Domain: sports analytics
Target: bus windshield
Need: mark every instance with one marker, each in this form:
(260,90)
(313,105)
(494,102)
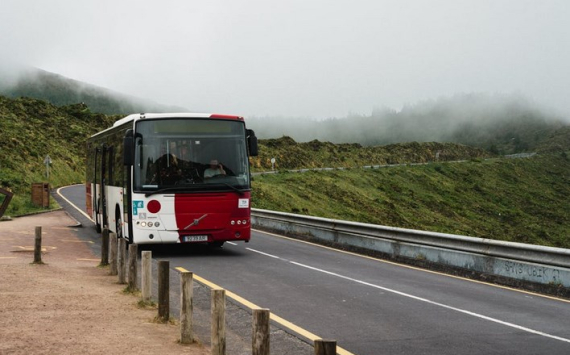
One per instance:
(190,155)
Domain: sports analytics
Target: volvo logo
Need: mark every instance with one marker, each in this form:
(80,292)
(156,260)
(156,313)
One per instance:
(196,222)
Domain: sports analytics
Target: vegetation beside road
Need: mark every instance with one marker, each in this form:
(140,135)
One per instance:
(33,129)
(524,200)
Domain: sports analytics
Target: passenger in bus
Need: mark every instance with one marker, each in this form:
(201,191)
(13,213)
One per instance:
(215,169)
(168,171)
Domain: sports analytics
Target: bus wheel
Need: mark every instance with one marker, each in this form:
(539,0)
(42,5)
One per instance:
(217,244)
(118,225)
(97,224)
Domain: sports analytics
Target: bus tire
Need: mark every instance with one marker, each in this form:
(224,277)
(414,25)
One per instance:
(118,224)
(97,214)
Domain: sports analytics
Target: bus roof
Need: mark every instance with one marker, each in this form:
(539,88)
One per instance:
(143,116)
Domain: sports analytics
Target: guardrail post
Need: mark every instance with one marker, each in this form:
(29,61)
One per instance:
(132,274)
(218,341)
(325,347)
(122,261)
(38,246)
(186,307)
(113,248)
(163,290)
(146,277)
(105,248)
(260,332)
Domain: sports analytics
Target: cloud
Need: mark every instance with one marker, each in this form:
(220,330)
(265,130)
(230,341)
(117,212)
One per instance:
(297,58)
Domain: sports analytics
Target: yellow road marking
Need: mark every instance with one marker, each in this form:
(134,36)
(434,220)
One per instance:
(272,316)
(32,248)
(237,298)
(419,269)
(82,259)
(8,257)
(77,241)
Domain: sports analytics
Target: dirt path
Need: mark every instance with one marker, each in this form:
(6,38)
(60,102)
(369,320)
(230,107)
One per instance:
(69,305)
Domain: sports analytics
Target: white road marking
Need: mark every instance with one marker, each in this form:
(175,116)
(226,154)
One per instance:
(231,243)
(262,253)
(71,203)
(473,314)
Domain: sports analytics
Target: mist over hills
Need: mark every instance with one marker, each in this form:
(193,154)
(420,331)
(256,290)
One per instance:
(60,91)
(502,124)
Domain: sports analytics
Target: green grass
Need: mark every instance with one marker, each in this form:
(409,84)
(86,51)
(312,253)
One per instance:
(31,129)
(521,200)
(524,200)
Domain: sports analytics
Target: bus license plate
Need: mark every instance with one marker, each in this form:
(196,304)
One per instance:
(195,238)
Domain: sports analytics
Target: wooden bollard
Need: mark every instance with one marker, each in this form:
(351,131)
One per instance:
(260,332)
(113,254)
(186,307)
(146,277)
(105,248)
(163,290)
(122,261)
(38,246)
(132,274)
(325,347)
(218,341)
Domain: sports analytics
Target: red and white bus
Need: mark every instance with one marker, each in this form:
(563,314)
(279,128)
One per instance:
(172,178)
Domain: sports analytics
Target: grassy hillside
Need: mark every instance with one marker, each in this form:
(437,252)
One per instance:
(525,200)
(60,91)
(31,129)
(289,154)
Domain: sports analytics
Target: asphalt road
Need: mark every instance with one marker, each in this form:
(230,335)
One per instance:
(375,307)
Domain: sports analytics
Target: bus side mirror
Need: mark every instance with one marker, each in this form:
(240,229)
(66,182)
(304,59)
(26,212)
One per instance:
(128,148)
(252,143)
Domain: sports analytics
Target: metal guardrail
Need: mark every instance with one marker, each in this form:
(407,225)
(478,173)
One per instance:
(366,236)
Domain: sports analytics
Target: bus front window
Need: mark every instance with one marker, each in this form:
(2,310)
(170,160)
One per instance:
(182,158)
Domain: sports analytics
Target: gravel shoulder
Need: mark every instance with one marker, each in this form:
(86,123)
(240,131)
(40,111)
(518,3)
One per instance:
(69,305)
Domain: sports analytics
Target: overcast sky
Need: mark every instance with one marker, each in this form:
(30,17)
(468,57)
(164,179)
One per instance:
(303,58)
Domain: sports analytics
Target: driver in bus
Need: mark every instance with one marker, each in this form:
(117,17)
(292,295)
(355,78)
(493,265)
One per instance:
(215,169)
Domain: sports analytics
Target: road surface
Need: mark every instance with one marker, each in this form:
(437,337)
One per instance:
(372,306)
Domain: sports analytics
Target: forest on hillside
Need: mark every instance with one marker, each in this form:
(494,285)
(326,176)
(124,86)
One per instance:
(501,124)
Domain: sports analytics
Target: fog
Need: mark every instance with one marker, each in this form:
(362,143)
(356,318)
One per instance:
(501,123)
(306,59)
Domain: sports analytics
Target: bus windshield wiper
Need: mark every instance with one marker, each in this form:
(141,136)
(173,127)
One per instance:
(201,187)
(240,191)
(166,189)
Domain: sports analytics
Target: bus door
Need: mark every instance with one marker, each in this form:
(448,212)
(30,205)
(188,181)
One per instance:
(104,152)
(96,198)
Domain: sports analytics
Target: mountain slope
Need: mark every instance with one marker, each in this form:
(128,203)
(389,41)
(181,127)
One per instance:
(32,129)
(60,91)
(523,200)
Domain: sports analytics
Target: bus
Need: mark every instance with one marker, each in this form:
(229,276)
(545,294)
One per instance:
(172,178)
